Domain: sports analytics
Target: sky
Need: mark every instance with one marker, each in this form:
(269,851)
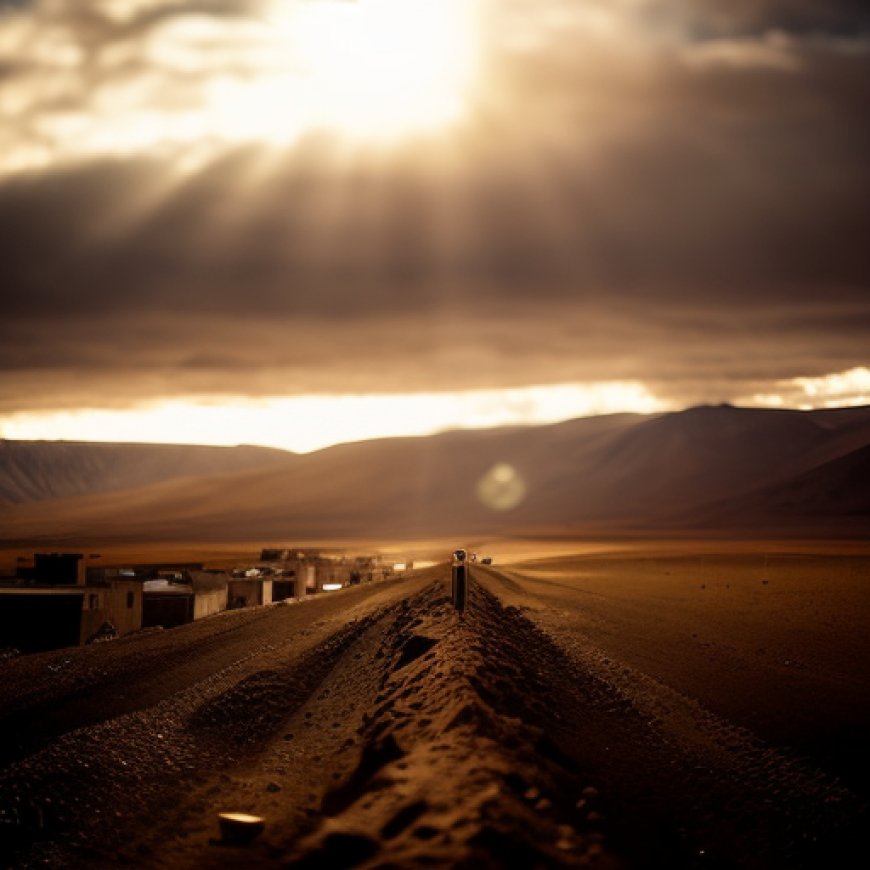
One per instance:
(299,222)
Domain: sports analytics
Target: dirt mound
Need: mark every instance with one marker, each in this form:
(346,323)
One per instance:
(451,765)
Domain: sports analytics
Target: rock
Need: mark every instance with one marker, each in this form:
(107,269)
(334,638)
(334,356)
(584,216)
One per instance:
(240,828)
(106,631)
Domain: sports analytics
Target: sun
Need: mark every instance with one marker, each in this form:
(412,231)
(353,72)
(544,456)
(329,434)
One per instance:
(373,69)
(386,65)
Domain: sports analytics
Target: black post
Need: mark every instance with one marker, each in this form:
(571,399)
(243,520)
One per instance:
(460,587)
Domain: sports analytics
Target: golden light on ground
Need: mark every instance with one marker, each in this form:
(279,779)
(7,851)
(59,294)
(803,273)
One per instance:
(305,423)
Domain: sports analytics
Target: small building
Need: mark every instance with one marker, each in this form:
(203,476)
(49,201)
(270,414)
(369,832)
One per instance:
(298,577)
(169,603)
(166,604)
(59,569)
(34,619)
(291,582)
(249,592)
(210,592)
(291,571)
(331,574)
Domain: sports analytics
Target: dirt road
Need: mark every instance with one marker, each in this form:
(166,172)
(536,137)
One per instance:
(375,727)
(778,644)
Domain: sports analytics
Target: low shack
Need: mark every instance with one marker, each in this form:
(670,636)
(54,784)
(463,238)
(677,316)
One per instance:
(166,604)
(38,618)
(249,592)
(210,592)
(170,603)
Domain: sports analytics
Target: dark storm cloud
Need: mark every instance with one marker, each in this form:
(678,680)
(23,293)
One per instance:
(746,17)
(671,192)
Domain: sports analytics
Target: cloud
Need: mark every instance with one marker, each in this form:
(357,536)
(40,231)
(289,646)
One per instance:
(709,18)
(659,190)
(836,390)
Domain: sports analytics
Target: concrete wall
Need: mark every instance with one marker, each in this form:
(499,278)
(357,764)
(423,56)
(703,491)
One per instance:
(95,611)
(307,576)
(125,606)
(120,604)
(208,603)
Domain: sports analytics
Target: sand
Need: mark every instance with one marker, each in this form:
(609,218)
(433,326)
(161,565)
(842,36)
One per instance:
(607,708)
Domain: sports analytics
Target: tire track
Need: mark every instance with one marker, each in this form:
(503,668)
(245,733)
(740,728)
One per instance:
(129,770)
(693,788)
(47,695)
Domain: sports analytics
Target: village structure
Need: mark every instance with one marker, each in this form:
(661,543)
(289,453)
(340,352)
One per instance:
(67,599)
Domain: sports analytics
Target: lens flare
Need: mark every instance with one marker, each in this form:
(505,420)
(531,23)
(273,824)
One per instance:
(501,488)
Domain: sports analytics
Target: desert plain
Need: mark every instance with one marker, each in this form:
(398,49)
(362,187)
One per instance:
(633,703)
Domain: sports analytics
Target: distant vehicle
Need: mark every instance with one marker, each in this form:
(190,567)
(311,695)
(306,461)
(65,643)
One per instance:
(486,560)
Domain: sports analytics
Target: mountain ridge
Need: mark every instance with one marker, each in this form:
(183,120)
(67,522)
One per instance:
(41,470)
(710,467)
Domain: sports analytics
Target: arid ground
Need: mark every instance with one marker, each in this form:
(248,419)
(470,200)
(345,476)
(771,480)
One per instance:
(605,706)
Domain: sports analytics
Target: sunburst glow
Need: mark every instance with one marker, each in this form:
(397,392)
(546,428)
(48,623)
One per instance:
(371,68)
(193,83)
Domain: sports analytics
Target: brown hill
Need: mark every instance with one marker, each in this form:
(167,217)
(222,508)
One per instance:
(40,470)
(834,493)
(711,467)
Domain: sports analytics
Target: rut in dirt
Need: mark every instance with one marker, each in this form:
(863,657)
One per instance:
(718,797)
(135,770)
(121,679)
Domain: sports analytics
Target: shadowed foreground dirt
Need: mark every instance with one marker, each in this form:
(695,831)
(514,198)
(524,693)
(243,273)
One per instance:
(377,728)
